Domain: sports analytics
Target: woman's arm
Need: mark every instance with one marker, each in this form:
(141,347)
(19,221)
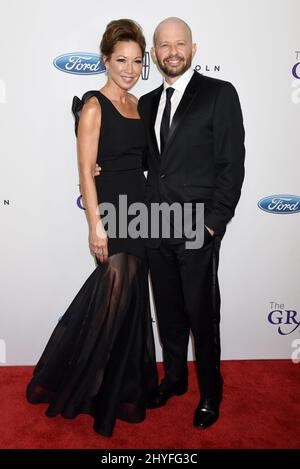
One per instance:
(87,141)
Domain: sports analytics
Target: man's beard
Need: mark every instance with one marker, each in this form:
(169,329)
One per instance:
(171,71)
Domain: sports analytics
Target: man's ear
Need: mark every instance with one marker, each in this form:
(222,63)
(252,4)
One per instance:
(194,49)
(153,54)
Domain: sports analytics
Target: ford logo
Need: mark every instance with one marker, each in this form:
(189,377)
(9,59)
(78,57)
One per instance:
(79,63)
(280,204)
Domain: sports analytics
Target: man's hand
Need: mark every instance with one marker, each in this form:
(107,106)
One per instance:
(97,170)
(211,232)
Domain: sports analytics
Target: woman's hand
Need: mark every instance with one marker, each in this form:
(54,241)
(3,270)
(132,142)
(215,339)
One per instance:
(97,170)
(98,242)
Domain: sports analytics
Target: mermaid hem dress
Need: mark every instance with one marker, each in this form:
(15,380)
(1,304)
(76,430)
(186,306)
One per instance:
(100,358)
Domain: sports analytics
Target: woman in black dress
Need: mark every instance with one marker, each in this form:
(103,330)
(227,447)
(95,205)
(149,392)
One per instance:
(100,358)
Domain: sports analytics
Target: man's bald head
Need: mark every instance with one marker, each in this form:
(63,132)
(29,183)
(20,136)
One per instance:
(171,23)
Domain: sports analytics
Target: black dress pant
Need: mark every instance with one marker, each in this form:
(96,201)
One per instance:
(186,294)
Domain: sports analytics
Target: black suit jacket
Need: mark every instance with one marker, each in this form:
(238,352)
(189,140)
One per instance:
(203,160)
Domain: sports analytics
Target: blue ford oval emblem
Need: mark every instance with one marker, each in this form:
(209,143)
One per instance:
(280,204)
(79,63)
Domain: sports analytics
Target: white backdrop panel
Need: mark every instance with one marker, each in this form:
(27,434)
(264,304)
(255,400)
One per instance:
(44,249)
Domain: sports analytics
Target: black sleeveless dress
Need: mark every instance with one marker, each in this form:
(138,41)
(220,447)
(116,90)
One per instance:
(100,358)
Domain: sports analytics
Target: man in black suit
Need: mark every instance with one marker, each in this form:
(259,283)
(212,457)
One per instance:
(196,153)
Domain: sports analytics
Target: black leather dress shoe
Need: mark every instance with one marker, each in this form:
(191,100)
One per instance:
(206,413)
(164,393)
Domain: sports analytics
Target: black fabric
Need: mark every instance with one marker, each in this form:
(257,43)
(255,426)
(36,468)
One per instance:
(122,144)
(100,358)
(165,121)
(187,297)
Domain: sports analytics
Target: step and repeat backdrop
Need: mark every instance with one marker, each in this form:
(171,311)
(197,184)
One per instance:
(49,53)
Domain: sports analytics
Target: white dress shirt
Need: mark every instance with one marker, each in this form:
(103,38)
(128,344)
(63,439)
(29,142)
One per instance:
(179,86)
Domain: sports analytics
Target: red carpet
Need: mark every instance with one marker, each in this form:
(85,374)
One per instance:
(260,409)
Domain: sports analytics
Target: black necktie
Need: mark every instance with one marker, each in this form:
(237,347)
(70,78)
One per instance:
(165,121)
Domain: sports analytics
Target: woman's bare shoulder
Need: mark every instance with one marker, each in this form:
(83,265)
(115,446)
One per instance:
(92,105)
(90,117)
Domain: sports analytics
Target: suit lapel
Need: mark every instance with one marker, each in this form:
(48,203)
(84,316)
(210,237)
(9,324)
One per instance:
(186,100)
